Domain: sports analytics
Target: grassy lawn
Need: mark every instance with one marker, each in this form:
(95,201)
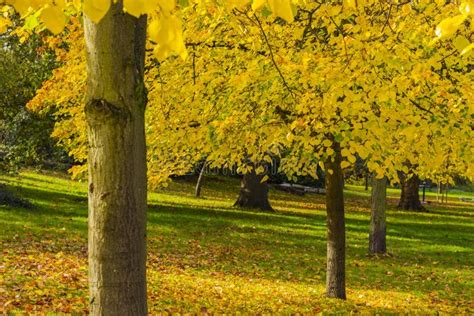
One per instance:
(206,256)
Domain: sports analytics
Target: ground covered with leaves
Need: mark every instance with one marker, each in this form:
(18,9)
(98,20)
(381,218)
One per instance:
(206,256)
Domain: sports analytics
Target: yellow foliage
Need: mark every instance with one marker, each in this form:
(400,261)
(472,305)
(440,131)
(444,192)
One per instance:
(250,92)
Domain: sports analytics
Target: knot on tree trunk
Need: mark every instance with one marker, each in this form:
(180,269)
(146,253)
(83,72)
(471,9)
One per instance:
(98,111)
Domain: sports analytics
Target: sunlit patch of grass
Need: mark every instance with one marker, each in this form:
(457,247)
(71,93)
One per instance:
(206,256)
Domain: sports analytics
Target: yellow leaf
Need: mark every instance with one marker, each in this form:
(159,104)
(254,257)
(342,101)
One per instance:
(466,8)
(282,8)
(96,9)
(134,7)
(154,30)
(351,158)
(54,19)
(257,4)
(327,143)
(23,7)
(449,26)
(350,4)
(167,33)
(345,164)
(4,23)
(460,43)
(167,5)
(467,49)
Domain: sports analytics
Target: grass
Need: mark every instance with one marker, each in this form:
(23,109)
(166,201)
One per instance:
(206,256)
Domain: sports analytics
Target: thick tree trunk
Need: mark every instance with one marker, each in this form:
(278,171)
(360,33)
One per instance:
(116,100)
(336,235)
(200,180)
(410,197)
(377,235)
(253,193)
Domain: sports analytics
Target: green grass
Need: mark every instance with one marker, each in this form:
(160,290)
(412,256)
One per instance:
(205,255)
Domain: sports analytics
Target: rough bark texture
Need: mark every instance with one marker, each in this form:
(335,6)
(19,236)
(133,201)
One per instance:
(378,228)
(336,235)
(253,193)
(116,100)
(200,180)
(410,197)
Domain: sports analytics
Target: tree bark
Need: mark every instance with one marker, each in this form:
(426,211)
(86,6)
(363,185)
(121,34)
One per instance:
(410,197)
(366,180)
(115,108)
(197,191)
(377,235)
(336,235)
(253,193)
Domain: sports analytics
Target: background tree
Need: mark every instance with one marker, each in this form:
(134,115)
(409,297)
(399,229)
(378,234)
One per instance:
(254,191)
(378,226)
(410,196)
(24,135)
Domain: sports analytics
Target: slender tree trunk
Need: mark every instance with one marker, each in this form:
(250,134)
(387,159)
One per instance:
(446,188)
(253,192)
(438,191)
(366,180)
(200,180)
(336,235)
(116,100)
(377,235)
(410,196)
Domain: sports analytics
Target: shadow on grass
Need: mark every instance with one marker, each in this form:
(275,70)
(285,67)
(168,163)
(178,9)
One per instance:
(286,245)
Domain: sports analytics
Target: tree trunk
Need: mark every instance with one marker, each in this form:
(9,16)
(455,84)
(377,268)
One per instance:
(377,235)
(366,180)
(253,193)
(438,191)
(410,197)
(115,108)
(336,235)
(197,191)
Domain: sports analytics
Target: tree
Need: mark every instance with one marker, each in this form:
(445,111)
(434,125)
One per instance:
(24,135)
(200,180)
(115,114)
(254,192)
(378,226)
(336,227)
(410,196)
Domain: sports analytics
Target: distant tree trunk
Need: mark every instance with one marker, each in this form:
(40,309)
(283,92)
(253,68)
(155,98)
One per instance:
(336,235)
(115,112)
(366,180)
(253,193)
(438,191)
(410,197)
(197,191)
(377,235)
(446,188)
